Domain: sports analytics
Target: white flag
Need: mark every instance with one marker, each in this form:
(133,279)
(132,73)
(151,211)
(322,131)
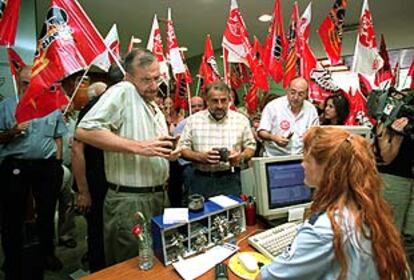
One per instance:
(233,37)
(105,59)
(366,57)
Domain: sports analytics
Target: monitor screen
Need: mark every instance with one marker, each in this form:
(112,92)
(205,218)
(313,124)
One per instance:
(285,184)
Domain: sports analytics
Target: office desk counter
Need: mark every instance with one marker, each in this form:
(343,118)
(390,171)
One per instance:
(128,270)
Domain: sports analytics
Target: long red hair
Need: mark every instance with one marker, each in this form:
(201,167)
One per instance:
(350,179)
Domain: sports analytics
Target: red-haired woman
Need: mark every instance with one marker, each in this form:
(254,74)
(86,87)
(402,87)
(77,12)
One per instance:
(350,234)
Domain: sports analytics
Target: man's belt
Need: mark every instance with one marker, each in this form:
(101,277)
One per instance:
(119,188)
(218,173)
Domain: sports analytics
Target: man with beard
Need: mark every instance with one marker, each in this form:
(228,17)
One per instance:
(131,129)
(217,140)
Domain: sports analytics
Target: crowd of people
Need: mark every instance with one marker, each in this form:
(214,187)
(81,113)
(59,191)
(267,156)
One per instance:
(131,151)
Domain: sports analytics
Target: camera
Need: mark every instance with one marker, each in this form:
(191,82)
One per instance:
(388,105)
(224,153)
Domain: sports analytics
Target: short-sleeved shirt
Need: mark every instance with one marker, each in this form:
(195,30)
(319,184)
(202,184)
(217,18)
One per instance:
(122,111)
(278,119)
(202,133)
(177,131)
(38,142)
(311,255)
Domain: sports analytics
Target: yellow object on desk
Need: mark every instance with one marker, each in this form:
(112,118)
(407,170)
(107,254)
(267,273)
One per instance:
(238,268)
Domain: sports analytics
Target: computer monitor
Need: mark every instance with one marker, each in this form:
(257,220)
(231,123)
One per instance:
(279,186)
(364,131)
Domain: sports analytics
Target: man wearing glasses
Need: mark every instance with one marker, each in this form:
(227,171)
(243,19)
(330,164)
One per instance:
(285,120)
(128,125)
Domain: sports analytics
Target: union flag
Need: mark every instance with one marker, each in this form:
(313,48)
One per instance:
(275,45)
(292,61)
(68,43)
(331,31)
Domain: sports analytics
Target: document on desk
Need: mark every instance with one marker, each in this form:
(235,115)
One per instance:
(196,266)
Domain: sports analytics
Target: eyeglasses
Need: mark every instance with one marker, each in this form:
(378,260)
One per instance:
(148,81)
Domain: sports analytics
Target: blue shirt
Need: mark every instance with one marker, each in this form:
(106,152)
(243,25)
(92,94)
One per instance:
(311,255)
(38,142)
(177,131)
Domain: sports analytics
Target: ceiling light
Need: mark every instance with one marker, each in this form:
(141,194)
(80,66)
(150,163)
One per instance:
(265,18)
(183,49)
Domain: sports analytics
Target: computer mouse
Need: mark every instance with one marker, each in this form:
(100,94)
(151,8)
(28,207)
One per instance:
(248,262)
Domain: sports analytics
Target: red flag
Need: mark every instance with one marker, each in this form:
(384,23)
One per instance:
(208,70)
(68,43)
(9,16)
(385,73)
(330,31)
(181,92)
(42,104)
(16,62)
(366,57)
(275,46)
(257,49)
(236,41)
(292,61)
(251,99)
(364,85)
(105,59)
(238,75)
(411,74)
(358,111)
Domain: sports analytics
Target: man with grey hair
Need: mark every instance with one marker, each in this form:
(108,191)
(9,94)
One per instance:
(131,129)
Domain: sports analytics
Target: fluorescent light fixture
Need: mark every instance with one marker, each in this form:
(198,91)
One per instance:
(183,49)
(265,18)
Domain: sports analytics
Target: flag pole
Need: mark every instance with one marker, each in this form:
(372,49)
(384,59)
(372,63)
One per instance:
(76,89)
(198,85)
(116,60)
(225,67)
(189,98)
(16,92)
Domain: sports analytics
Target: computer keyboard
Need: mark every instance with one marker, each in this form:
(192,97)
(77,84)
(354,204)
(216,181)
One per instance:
(273,242)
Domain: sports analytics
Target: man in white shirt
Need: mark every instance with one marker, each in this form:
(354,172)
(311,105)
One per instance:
(131,129)
(285,120)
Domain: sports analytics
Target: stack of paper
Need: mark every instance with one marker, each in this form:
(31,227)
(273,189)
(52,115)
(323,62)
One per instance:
(194,267)
(223,201)
(175,215)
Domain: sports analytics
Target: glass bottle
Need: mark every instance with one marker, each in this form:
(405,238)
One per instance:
(146,255)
